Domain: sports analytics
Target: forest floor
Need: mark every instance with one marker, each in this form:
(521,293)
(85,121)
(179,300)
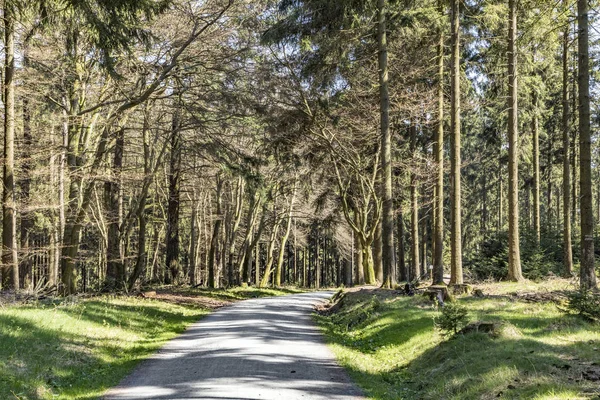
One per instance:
(77,347)
(390,346)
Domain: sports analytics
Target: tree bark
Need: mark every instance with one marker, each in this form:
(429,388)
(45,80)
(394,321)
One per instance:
(284,239)
(438,203)
(27,223)
(414,202)
(567,245)
(388,275)
(214,242)
(536,168)
(456,273)
(172,256)
(10,276)
(587,270)
(514,252)
(115,268)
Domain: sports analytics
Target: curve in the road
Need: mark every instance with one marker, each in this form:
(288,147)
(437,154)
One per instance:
(256,349)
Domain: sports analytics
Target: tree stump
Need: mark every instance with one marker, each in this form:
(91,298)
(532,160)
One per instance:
(439,292)
(461,289)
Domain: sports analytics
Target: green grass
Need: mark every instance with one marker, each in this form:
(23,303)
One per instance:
(78,349)
(237,293)
(391,349)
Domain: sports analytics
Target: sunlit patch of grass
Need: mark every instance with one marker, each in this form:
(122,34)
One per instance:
(395,352)
(238,293)
(68,350)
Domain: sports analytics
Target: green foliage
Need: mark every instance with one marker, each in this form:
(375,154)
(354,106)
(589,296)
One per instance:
(585,303)
(538,261)
(452,318)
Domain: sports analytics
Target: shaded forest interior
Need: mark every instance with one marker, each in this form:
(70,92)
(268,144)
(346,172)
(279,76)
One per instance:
(313,143)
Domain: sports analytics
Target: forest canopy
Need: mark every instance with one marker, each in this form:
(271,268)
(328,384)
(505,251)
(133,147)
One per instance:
(298,142)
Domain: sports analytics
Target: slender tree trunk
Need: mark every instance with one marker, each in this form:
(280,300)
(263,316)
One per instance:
(26,220)
(536,169)
(360,271)
(378,252)
(214,242)
(456,274)
(172,259)
(514,253)
(10,276)
(567,245)
(387,219)
(401,256)
(438,203)
(284,239)
(414,203)
(115,268)
(271,248)
(587,269)
(193,241)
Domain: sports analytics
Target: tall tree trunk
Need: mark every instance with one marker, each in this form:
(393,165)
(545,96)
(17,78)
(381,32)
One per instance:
(193,240)
(26,220)
(414,204)
(360,271)
(456,273)
(401,256)
(438,203)
(172,259)
(214,242)
(567,245)
(284,238)
(587,270)
(233,228)
(115,268)
(271,248)
(387,219)
(378,252)
(10,276)
(536,168)
(514,252)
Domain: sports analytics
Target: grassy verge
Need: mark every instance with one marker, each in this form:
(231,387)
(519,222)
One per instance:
(76,349)
(391,349)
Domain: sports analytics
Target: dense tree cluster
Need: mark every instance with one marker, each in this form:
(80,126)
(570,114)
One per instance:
(307,142)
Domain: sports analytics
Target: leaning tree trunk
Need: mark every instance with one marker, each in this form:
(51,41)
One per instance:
(567,245)
(456,273)
(514,253)
(388,275)
(284,240)
(10,276)
(587,269)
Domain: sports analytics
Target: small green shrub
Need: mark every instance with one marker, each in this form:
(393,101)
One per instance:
(586,304)
(452,318)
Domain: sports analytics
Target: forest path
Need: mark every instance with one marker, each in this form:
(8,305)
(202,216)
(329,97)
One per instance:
(267,348)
